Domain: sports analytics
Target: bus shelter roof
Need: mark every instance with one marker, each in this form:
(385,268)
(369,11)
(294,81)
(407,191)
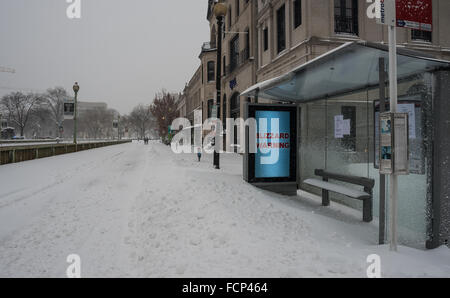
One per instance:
(348,68)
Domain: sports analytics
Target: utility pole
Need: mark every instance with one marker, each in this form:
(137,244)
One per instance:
(118,128)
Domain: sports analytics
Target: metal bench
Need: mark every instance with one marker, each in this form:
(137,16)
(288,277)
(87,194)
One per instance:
(365,196)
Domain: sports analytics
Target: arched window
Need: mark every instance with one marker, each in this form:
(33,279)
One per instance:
(235,113)
(229,18)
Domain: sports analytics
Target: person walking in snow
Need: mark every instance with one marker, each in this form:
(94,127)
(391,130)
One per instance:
(199,153)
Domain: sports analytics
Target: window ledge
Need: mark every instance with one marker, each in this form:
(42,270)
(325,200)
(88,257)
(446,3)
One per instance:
(281,54)
(421,42)
(346,35)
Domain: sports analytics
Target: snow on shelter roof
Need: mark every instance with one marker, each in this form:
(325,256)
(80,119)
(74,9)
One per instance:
(350,67)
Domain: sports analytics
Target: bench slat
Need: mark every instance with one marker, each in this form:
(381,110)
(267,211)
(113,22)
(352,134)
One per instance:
(356,194)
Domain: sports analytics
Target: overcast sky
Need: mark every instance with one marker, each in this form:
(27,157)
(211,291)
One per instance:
(121,51)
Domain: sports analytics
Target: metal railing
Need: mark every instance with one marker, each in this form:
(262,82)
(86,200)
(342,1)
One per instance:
(14,154)
(207,46)
(239,60)
(346,25)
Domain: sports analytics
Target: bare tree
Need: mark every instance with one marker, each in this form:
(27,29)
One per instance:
(164,109)
(141,119)
(54,99)
(20,107)
(40,124)
(97,123)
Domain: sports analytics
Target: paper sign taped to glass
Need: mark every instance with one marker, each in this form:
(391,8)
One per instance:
(342,127)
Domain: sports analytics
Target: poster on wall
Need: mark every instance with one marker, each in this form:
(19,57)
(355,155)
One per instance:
(386,158)
(410,109)
(275,158)
(413,107)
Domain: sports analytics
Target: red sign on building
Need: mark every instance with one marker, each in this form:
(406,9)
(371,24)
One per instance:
(415,14)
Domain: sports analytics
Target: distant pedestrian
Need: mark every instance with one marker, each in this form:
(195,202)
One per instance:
(199,155)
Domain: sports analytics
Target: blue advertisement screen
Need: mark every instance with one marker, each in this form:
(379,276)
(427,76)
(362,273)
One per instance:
(273,141)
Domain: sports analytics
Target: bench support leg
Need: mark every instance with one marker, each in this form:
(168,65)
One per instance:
(325,198)
(325,195)
(367,210)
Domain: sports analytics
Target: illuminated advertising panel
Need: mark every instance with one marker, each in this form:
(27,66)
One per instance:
(273,143)
(275,159)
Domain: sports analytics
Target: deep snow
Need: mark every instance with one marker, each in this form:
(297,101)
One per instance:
(133,210)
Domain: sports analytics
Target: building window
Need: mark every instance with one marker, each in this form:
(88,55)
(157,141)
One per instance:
(224,29)
(237,9)
(297,13)
(211,71)
(349,141)
(421,35)
(210,106)
(266,38)
(213,37)
(218,108)
(281,29)
(224,112)
(346,16)
(247,45)
(234,53)
(229,18)
(224,66)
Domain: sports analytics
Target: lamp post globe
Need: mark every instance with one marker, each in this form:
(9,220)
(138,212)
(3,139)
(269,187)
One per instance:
(220,9)
(76,87)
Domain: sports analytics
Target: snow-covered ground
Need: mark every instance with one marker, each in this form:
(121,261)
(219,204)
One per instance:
(141,211)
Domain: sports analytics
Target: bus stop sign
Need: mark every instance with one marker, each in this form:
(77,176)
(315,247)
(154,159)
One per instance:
(415,14)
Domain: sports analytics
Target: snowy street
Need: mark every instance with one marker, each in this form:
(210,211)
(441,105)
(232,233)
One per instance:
(142,211)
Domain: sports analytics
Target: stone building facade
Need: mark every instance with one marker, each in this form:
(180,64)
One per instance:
(263,39)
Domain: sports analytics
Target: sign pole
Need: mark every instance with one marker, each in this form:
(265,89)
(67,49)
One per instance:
(382,217)
(393,109)
(415,14)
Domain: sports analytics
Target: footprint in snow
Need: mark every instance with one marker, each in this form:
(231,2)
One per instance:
(195,242)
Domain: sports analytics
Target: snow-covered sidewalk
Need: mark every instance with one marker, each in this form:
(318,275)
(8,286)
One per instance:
(134,210)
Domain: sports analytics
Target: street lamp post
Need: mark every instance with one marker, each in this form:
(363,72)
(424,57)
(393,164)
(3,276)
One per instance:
(118,128)
(76,88)
(220,10)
